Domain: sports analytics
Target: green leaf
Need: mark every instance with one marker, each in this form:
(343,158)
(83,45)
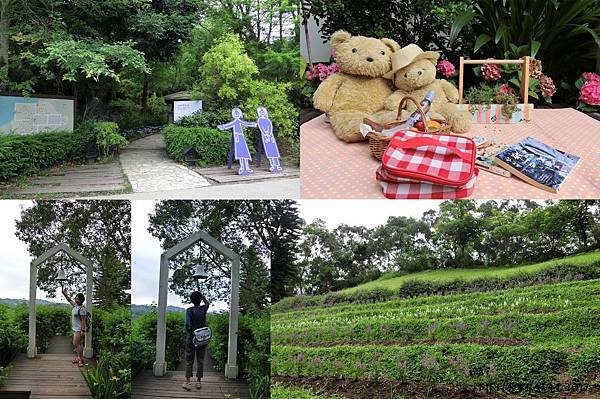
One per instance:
(535,47)
(534,95)
(482,40)
(515,82)
(580,82)
(477,71)
(500,32)
(548,100)
(459,23)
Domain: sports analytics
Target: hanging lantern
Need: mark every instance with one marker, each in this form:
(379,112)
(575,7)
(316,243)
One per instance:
(200,272)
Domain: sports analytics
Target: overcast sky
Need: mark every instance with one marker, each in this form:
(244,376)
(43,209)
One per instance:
(146,250)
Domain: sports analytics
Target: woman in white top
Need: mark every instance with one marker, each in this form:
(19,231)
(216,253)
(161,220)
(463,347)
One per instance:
(78,324)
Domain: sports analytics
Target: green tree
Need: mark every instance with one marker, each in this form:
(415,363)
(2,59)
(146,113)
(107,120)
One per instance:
(100,230)
(458,227)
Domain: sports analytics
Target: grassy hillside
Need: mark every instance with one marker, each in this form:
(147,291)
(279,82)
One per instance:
(471,274)
(542,340)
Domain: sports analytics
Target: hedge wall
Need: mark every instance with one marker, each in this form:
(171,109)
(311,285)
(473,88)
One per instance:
(26,155)
(211,144)
(413,288)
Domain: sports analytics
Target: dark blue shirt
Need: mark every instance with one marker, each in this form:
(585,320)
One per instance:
(195,317)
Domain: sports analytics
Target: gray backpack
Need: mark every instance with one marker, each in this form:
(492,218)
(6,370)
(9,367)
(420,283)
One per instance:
(201,336)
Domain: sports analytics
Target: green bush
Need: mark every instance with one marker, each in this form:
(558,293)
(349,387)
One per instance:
(273,96)
(211,144)
(111,378)
(253,349)
(132,116)
(108,138)
(26,155)
(51,320)
(144,333)
(413,288)
(12,339)
(207,119)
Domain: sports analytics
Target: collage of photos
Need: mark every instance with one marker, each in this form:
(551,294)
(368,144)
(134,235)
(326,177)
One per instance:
(300,199)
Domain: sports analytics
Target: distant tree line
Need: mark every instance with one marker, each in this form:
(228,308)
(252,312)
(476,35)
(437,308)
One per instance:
(458,234)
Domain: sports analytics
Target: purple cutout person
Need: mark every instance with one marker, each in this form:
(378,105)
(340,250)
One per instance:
(268,139)
(241,151)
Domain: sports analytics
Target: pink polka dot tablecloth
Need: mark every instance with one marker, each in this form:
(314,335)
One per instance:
(332,169)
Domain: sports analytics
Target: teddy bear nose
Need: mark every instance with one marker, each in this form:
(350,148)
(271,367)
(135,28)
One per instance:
(369,59)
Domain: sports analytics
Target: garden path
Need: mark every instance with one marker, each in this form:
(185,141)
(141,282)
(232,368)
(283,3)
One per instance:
(148,168)
(50,375)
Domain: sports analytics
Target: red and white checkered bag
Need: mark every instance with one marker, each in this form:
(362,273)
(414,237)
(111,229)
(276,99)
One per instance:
(428,166)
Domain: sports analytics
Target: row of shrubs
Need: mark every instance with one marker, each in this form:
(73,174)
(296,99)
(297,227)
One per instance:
(413,288)
(501,369)
(24,155)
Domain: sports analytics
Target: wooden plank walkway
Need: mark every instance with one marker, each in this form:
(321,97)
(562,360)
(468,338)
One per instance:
(50,375)
(105,177)
(214,386)
(222,175)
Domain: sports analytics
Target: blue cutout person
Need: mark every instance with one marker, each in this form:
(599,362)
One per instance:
(241,151)
(268,139)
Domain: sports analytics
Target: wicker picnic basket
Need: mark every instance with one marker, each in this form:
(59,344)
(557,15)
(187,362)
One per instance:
(378,142)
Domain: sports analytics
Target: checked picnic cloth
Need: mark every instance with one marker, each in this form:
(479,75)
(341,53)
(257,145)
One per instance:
(428,166)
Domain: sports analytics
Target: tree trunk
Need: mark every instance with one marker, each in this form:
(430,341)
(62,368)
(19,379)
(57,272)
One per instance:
(4,34)
(145,93)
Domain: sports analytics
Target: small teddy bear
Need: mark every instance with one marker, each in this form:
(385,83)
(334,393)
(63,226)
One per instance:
(413,73)
(359,90)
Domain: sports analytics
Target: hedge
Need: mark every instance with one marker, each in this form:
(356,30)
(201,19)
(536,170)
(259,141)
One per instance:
(212,145)
(12,338)
(26,155)
(519,370)
(51,320)
(413,288)
(254,349)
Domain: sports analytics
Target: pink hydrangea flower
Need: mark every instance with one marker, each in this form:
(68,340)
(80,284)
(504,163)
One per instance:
(490,71)
(590,92)
(446,68)
(591,76)
(309,75)
(547,86)
(505,89)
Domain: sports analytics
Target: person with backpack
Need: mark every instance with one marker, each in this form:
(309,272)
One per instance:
(195,325)
(79,323)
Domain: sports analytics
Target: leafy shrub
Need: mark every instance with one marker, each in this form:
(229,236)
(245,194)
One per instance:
(108,138)
(26,155)
(226,73)
(12,339)
(145,337)
(413,288)
(273,96)
(131,115)
(253,349)
(211,144)
(505,369)
(111,378)
(51,320)
(207,119)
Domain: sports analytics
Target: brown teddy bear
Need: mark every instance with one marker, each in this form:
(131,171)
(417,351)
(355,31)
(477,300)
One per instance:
(413,73)
(360,90)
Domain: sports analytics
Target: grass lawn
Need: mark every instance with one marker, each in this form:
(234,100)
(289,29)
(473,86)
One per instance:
(471,274)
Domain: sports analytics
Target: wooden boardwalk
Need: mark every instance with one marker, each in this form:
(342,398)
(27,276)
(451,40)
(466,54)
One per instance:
(94,178)
(222,175)
(50,375)
(214,386)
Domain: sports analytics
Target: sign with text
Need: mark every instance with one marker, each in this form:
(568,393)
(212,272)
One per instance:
(20,115)
(186,108)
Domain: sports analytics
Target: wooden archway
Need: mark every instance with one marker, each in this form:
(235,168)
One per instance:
(89,291)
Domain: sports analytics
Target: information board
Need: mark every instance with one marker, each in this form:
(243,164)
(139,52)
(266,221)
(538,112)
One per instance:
(185,108)
(20,115)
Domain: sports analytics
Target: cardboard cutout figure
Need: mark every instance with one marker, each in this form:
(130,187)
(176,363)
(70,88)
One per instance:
(268,141)
(239,147)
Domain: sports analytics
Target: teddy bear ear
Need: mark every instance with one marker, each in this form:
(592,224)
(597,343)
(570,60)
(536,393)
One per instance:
(339,37)
(391,44)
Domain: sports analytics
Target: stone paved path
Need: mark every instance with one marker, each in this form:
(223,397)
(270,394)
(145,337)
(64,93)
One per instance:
(148,168)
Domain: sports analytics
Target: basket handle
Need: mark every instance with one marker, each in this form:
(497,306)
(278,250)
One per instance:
(427,141)
(403,103)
